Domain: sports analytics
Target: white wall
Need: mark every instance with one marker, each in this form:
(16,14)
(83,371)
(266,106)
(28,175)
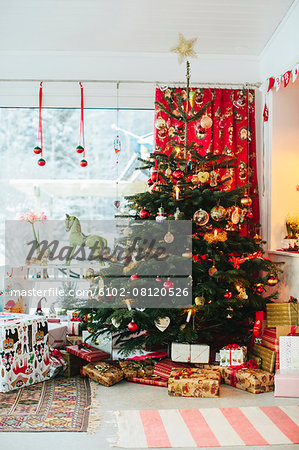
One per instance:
(282,51)
(285,160)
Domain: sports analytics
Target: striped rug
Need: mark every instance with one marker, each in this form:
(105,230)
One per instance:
(208,427)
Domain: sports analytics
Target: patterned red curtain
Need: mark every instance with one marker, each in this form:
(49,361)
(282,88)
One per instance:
(231,133)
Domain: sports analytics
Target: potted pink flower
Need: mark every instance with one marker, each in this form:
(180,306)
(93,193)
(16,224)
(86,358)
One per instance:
(31,218)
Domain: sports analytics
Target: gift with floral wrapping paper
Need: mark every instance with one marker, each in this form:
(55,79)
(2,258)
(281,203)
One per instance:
(194,382)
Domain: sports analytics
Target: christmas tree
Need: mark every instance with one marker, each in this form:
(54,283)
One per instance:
(230,276)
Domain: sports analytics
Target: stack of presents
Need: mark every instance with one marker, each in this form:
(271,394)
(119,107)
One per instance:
(269,364)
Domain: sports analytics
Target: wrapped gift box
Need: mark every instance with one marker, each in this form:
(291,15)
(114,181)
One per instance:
(102,342)
(24,352)
(73,364)
(286,384)
(267,357)
(164,367)
(74,328)
(57,335)
(88,353)
(57,365)
(194,353)
(255,381)
(133,369)
(282,314)
(289,353)
(270,341)
(232,355)
(74,340)
(154,380)
(103,373)
(194,382)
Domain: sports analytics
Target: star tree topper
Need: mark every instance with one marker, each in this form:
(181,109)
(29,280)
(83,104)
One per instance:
(184,49)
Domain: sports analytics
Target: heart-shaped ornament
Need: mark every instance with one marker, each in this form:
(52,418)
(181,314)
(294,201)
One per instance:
(203,176)
(162,323)
(115,323)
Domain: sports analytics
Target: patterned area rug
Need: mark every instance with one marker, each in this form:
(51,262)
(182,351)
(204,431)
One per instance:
(60,404)
(208,427)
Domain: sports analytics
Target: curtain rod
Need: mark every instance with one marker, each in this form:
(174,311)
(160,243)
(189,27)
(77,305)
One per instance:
(159,83)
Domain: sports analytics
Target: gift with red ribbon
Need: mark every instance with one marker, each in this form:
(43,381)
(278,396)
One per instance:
(232,354)
(87,352)
(74,326)
(248,377)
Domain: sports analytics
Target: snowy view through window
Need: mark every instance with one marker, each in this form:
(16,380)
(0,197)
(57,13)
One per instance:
(62,186)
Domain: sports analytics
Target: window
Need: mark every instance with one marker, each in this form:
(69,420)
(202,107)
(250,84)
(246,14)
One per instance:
(62,186)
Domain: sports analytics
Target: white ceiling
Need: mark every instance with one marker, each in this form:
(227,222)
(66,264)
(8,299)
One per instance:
(240,27)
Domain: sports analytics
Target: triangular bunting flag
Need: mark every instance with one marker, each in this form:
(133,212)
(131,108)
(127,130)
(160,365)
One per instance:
(286,78)
(277,82)
(295,72)
(270,84)
(266,113)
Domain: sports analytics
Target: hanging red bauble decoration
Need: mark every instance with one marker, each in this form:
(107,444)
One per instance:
(154,176)
(149,182)
(79,149)
(37,150)
(83,163)
(132,326)
(228,295)
(158,279)
(259,287)
(178,174)
(144,214)
(41,162)
(168,284)
(135,276)
(249,215)
(272,280)
(246,201)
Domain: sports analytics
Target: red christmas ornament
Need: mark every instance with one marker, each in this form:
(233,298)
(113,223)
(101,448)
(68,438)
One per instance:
(37,150)
(178,174)
(154,176)
(149,182)
(158,279)
(246,200)
(41,162)
(83,163)
(132,326)
(144,214)
(259,287)
(168,284)
(249,215)
(79,149)
(228,294)
(272,280)
(135,276)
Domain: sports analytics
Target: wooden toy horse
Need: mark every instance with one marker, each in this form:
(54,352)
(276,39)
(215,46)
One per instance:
(98,244)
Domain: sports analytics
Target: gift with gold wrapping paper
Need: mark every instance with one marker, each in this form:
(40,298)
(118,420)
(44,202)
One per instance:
(103,373)
(194,382)
(282,314)
(139,369)
(248,378)
(268,357)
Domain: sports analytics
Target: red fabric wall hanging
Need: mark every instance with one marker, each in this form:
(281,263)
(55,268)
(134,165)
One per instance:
(232,133)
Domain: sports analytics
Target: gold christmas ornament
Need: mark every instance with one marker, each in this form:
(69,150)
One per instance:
(168,172)
(192,95)
(160,123)
(203,177)
(206,122)
(258,239)
(184,49)
(215,236)
(235,215)
(213,178)
(212,270)
(195,180)
(187,254)
(169,238)
(199,301)
(218,213)
(201,217)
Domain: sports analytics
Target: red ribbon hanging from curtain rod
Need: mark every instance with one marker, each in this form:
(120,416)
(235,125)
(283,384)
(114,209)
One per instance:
(82,140)
(40,120)
(38,150)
